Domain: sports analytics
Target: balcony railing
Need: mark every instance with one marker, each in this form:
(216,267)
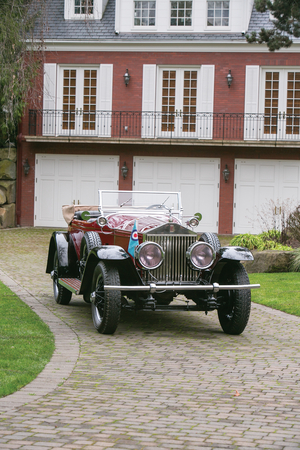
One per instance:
(150,125)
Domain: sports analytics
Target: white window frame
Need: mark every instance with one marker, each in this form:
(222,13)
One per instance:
(144,27)
(213,28)
(98,8)
(181,27)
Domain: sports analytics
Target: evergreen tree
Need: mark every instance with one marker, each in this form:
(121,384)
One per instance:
(20,60)
(286,20)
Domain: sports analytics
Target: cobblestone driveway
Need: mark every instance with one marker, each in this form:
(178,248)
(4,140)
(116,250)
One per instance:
(164,380)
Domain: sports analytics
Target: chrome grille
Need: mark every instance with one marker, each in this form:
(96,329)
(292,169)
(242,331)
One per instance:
(174,268)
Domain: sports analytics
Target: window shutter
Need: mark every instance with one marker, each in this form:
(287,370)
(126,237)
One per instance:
(206,101)
(148,100)
(251,124)
(105,99)
(49,99)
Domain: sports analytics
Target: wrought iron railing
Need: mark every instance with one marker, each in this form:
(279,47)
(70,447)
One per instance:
(150,125)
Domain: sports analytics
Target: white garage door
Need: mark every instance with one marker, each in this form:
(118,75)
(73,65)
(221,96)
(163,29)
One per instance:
(261,188)
(196,178)
(66,179)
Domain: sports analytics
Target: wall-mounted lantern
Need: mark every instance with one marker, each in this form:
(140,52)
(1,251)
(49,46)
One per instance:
(124,170)
(26,167)
(126,77)
(229,78)
(226,173)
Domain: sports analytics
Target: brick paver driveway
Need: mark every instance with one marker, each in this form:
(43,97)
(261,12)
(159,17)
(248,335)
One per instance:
(164,380)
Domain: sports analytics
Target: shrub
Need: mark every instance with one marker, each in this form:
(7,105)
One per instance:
(269,240)
(293,224)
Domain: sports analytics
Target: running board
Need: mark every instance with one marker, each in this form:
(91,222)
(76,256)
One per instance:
(72,284)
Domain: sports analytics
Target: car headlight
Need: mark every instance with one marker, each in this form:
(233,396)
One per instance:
(200,255)
(102,221)
(149,255)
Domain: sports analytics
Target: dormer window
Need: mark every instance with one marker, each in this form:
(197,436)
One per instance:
(84,7)
(144,14)
(181,14)
(218,13)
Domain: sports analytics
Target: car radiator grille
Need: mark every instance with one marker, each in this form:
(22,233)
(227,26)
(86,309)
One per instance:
(174,268)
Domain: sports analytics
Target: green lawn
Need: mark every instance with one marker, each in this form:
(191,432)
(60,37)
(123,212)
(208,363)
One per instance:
(278,290)
(26,343)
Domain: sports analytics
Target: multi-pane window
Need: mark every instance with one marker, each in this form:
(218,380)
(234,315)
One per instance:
(218,14)
(79,102)
(144,13)
(69,99)
(271,102)
(181,14)
(189,100)
(84,6)
(293,103)
(168,100)
(89,99)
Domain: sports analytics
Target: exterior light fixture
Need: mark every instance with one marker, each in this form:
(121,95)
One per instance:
(124,170)
(26,167)
(226,174)
(229,78)
(126,77)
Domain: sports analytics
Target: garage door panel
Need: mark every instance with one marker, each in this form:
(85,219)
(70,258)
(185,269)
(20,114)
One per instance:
(245,209)
(146,170)
(265,194)
(88,168)
(47,167)
(267,173)
(246,172)
(65,168)
(207,172)
(165,171)
(46,206)
(207,196)
(188,172)
(107,170)
(290,174)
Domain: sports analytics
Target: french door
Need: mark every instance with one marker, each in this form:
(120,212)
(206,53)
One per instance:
(177,96)
(281,104)
(79,101)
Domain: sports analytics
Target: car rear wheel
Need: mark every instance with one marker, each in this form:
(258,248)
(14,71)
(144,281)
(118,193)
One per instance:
(235,310)
(90,240)
(106,305)
(212,239)
(61,294)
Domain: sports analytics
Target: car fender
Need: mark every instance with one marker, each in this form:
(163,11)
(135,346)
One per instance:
(235,253)
(226,255)
(120,259)
(62,242)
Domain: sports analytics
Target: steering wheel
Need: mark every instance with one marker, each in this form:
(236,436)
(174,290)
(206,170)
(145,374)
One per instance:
(158,206)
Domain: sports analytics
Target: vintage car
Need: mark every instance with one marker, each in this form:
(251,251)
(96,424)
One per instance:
(135,250)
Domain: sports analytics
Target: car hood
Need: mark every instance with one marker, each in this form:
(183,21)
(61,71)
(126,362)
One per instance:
(144,222)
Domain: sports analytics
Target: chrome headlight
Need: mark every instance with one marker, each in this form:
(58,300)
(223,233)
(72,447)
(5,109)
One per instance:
(149,255)
(200,255)
(102,221)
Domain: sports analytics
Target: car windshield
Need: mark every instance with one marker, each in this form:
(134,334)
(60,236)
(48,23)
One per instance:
(140,201)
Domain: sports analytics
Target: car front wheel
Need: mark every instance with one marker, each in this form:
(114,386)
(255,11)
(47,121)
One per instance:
(235,309)
(106,305)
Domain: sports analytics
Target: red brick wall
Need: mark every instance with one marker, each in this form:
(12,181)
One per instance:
(130,99)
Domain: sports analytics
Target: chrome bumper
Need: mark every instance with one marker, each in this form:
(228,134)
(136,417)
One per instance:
(152,287)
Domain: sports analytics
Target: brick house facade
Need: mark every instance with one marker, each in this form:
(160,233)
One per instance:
(177,124)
